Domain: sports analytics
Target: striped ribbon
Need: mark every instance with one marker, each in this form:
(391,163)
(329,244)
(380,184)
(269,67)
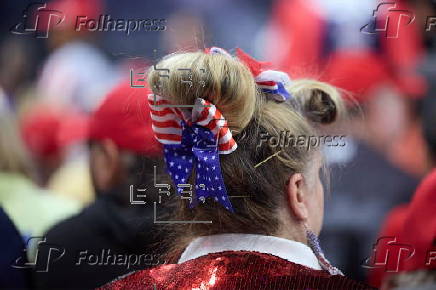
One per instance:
(193,139)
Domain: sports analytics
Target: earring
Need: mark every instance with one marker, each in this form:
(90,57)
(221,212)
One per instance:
(313,242)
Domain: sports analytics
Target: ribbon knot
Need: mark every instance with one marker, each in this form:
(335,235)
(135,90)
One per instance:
(193,140)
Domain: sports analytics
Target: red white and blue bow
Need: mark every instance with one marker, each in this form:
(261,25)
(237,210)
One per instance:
(269,81)
(193,138)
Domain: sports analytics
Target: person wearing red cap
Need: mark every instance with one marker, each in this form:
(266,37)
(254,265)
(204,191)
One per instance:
(73,80)
(414,228)
(32,209)
(414,224)
(347,43)
(342,42)
(56,140)
(112,236)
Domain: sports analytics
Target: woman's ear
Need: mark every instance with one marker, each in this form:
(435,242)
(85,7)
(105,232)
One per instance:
(296,194)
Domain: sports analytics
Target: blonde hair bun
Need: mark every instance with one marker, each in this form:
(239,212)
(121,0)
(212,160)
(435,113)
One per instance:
(218,78)
(319,102)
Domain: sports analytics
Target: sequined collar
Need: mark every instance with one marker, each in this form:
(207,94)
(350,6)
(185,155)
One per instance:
(292,251)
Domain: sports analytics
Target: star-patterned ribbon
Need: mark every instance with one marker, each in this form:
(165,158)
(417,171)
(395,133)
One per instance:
(193,139)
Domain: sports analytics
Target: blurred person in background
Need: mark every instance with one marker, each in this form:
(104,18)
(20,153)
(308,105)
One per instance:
(73,80)
(364,185)
(76,74)
(320,37)
(413,228)
(413,223)
(55,137)
(123,154)
(342,42)
(33,210)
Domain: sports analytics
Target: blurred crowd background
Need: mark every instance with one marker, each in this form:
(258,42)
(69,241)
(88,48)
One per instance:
(50,86)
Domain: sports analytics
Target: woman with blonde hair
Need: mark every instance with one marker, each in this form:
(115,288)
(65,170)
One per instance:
(252,218)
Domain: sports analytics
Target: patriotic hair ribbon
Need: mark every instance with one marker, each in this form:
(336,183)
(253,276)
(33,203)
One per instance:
(193,139)
(269,81)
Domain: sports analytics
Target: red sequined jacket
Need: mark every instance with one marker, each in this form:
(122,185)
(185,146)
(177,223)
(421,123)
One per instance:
(234,270)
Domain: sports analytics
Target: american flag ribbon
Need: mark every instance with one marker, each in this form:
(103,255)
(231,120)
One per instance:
(275,89)
(269,81)
(193,139)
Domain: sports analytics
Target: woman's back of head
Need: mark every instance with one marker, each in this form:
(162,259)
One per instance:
(256,174)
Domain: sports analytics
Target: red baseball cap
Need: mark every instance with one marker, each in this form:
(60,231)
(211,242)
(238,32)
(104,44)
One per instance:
(124,117)
(414,227)
(360,72)
(47,130)
(419,229)
(391,230)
